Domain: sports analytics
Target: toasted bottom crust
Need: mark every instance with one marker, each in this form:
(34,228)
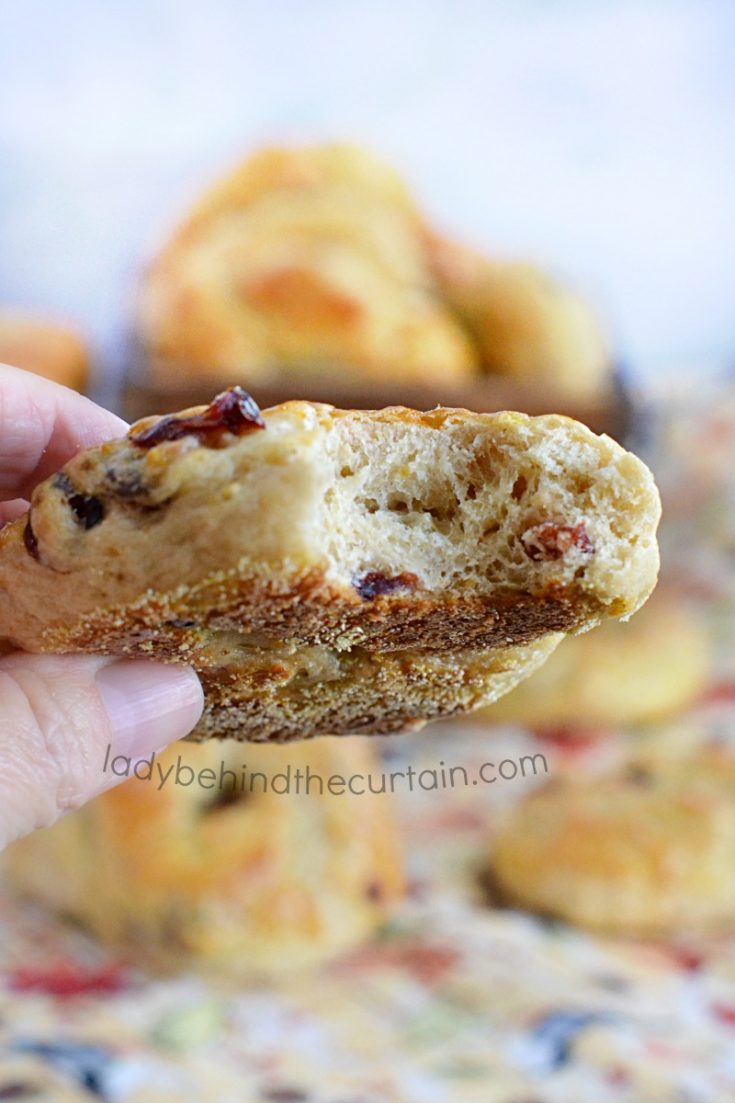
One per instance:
(282,662)
(364,693)
(307,609)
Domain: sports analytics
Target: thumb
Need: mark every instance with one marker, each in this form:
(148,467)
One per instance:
(63,717)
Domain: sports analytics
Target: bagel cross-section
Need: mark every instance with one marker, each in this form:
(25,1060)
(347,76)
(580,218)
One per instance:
(333,571)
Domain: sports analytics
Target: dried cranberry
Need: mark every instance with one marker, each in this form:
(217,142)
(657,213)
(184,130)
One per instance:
(233,411)
(88,511)
(30,541)
(225,798)
(551,541)
(374,584)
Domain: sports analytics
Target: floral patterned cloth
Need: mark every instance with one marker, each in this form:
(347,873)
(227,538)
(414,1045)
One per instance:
(455,1001)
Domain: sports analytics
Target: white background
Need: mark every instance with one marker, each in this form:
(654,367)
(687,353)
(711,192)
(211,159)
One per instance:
(598,137)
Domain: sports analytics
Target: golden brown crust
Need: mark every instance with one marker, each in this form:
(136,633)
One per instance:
(418,659)
(310,610)
(365,691)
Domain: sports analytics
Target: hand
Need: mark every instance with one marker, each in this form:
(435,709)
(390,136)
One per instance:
(61,715)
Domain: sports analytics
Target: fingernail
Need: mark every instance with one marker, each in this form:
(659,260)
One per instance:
(149,704)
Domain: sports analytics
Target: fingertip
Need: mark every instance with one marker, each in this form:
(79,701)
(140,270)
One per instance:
(42,425)
(148,704)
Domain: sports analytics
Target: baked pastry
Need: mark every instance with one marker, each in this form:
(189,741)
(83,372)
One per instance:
(303,260)
(525,324)
(306,169)
(44,346)
(332,571)
(215,868)
(646,850)
(621,674)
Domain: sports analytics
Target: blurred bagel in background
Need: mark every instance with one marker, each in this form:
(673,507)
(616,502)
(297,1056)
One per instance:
(44,346)
(638,672)
(306,260)
(306,169)
(524,323)
(242,882)
(646,850)
(310,264)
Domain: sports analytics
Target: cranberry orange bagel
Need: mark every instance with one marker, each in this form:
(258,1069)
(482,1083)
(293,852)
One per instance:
(333,571)
(44,346)
(647,849)
(302,261)
(525,323)
(237,858)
